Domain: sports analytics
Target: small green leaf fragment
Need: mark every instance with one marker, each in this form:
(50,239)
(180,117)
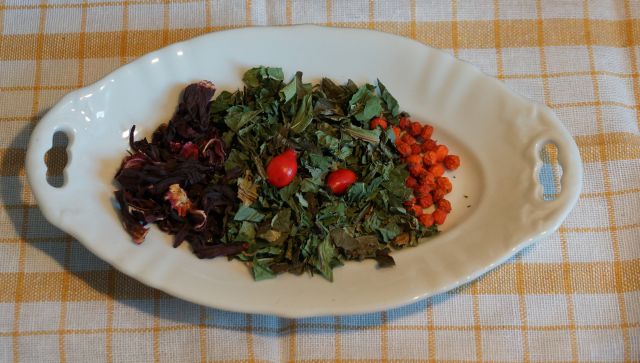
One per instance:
(304,116)
(389,100)
(365,104)
(261,271)
(372,136)
(249,214)
(247,232)
(282,220)
(327,259)
(357,192)
(239,116)
(383,258)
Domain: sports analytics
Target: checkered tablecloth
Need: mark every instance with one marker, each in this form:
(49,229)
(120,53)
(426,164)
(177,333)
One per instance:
(574,296)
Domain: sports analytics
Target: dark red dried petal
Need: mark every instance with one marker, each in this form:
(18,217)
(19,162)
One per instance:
(214,151)
(175,146)
(198,218)
(135,227)
(189,151)
(193,111)
(135,161)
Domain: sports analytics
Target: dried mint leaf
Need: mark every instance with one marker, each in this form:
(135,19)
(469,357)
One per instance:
(245,213)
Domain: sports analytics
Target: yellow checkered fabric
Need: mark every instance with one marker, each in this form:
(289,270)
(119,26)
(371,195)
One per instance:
(574,296)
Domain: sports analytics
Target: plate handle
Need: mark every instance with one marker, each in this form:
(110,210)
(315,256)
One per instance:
(48,197)
(569,159)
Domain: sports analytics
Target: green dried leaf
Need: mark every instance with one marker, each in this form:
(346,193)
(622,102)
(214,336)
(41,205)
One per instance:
(303,202)
(289,91)
(253,78)
(287,192)
(344,152)
(355,248)
(236,159)
(275,73)
(357,192)
(247,232)
(395,182)
(332,90)
(327,259)
(365,104)
(249,214)
(304,116)
(372,136)
(221,103)
(390,102)
(239,116)
(328,142)
(282,220)
(383,258)
(329,109)
(261,270)
(319,161)
(309,186)
(389,231)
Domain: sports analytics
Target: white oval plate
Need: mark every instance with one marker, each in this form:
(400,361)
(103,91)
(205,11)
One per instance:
(497,134)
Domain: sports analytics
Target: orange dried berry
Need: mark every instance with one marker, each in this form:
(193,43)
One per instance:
(415,129)
(416,170)
(437,194)
(411,182)
(417,210)
(404,122)
(409,203)
(408,139)
(403,149)
(426,132)
(378,121)
(414,160)
(436,169)
(426,220)
(430,158)
(451,162)
(416,149)
(428,179)
(426,201)
(444,205)
(439,216)
(442,152)
(429,145)
(422,191)
(444,183)
(397,132)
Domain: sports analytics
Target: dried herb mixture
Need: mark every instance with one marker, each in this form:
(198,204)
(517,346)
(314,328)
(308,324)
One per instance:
(203,176)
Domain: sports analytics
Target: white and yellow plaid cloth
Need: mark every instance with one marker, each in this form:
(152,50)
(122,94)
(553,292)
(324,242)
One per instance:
(574,296)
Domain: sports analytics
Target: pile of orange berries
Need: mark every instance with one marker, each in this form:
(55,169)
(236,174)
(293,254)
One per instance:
(426,161)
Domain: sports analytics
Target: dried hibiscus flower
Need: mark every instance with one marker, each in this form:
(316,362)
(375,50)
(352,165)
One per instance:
(168,181)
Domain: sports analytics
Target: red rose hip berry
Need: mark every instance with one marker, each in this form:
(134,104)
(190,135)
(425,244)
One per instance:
(340,180)
(282,169)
